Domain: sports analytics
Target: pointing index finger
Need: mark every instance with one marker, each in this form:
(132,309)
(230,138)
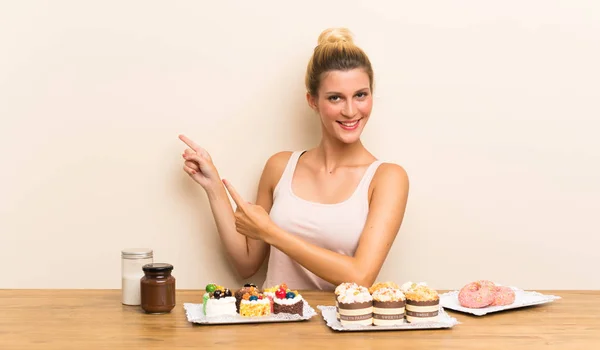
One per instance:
(189,142)
(236,196)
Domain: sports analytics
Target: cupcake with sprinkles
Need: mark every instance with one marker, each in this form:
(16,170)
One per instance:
(388,307)
(356,307)
(339,290)
(410,285)
(380,285)
(422,304)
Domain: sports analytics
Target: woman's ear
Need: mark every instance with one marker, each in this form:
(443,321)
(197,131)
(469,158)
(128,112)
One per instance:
(312,101)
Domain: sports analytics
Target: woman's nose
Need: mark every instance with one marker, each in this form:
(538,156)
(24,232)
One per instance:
(349,110)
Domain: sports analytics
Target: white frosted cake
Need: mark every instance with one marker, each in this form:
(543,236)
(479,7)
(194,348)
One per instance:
(220,307)
(218,301)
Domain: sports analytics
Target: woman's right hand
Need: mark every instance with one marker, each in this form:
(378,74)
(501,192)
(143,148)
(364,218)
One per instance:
(198,165)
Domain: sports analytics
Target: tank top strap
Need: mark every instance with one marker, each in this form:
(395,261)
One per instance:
(288,172)
(365,182)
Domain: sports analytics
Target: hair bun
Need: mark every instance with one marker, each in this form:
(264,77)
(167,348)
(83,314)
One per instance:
(335,35)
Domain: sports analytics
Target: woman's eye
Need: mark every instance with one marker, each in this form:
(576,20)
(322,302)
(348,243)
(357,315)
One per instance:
(361,94)
(334,98)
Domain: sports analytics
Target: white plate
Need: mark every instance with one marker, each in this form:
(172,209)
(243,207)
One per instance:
(329,315)
(522,299)
(195,314)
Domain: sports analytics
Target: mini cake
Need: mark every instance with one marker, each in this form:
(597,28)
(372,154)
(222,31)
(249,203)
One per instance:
(255,305)
(410,285)
(270,292)
(248,288)
(422,304)
(339,290)
(380,285)
(218,301)
(288,302)
(388,307)
(356,307)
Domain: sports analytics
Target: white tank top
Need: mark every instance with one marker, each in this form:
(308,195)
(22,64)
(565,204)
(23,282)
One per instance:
(336,227)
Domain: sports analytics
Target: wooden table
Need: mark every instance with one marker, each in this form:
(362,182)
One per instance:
(95,319)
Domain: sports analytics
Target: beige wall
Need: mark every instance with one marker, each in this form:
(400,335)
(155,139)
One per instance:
(492,109)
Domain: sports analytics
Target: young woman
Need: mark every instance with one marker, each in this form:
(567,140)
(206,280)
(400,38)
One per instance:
(326,215)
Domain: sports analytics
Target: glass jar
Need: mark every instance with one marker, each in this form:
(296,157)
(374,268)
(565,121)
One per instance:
(158,288)
(132,261)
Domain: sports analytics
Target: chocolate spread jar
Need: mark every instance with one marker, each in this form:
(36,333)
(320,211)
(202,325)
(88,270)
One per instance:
(157,288)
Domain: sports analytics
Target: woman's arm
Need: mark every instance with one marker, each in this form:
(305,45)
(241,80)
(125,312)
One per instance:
(386,212)
(257,248)
(246,254)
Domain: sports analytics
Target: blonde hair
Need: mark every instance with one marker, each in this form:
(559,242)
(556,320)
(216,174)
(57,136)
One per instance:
(335,51)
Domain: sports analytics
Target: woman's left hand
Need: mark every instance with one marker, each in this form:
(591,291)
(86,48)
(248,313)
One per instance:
(251,220)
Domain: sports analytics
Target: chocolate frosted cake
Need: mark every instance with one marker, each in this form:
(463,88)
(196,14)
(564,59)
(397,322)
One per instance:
(388,307)
(356,307)
(293,305)
(422,304)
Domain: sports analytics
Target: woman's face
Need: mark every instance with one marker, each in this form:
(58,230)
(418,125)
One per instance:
(344,103)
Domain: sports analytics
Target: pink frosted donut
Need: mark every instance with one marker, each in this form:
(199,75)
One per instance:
(486,283)
(477,294)
(504,296)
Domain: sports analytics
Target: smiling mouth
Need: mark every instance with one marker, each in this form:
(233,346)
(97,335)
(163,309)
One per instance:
(351,125)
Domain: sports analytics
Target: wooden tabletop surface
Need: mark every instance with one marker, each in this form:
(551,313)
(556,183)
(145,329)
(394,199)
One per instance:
(95,319)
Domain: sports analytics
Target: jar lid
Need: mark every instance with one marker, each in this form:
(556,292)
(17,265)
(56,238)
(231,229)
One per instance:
(136,253)
(157,267)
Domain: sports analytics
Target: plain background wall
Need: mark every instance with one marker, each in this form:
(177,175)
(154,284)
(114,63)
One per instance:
(491,107)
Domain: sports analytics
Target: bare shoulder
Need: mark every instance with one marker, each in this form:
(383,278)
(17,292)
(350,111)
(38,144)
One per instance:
(389,173)
(273,169)
(276,163)
(392,178)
